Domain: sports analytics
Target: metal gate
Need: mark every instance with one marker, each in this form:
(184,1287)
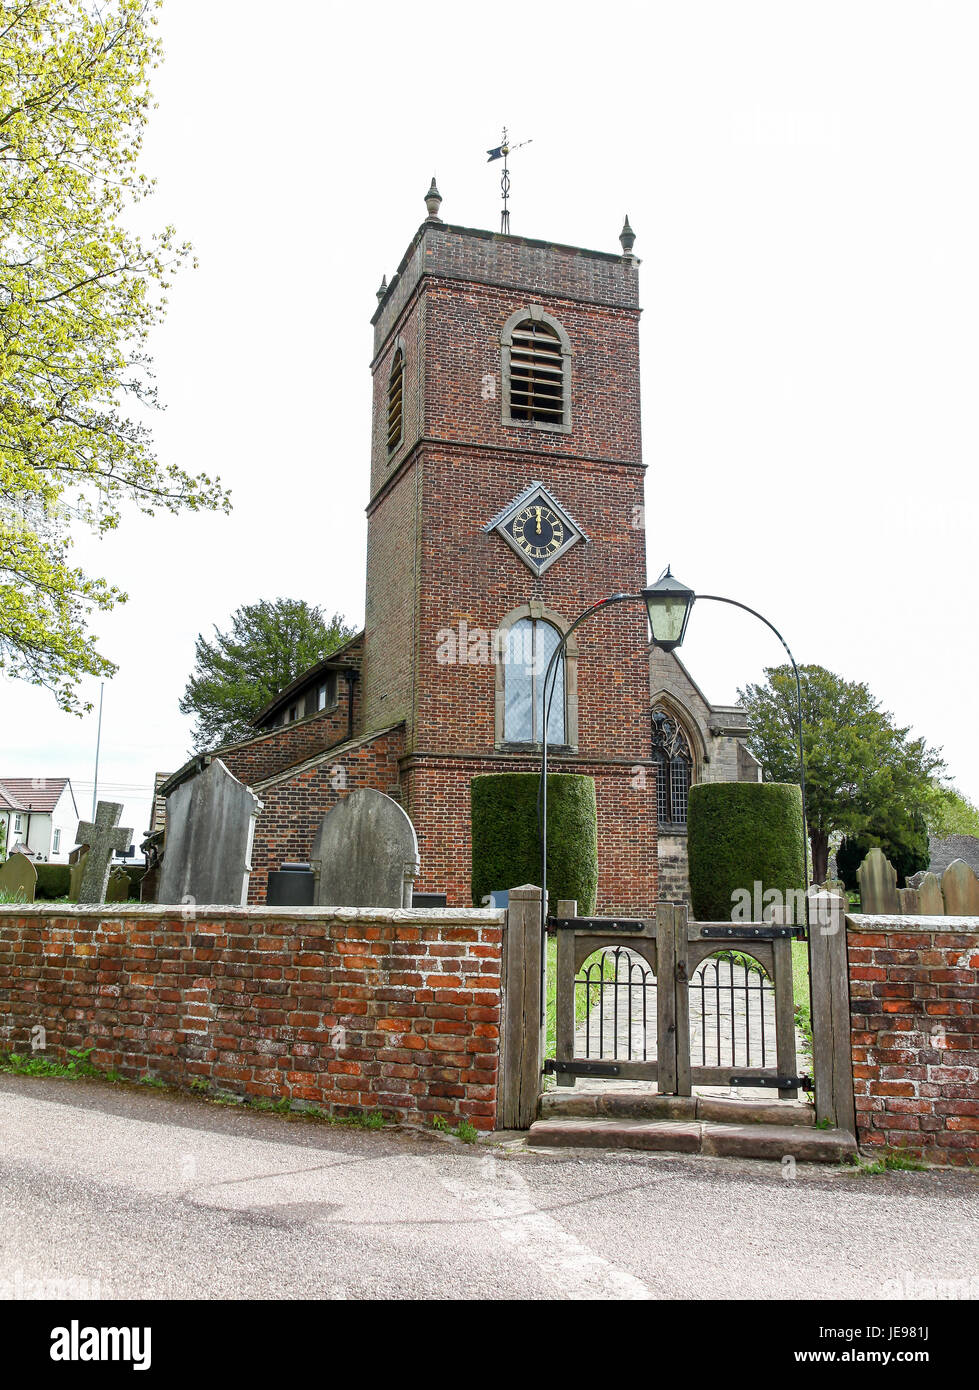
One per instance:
(675,1002)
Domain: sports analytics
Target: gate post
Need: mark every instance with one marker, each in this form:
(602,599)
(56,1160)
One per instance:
(522,1033)
(829,986)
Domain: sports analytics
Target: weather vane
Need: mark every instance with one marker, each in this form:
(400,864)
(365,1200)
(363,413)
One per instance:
(500,152)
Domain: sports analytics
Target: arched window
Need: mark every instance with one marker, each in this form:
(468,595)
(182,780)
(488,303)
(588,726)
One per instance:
(536,371)
(395,399)
(671,752)
(530,644)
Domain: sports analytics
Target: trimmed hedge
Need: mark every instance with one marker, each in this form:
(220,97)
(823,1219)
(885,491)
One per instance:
(506,842)
(54,881)
(740,833)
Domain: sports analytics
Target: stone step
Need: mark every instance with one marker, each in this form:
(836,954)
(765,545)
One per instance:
(644,1105)
(713,1137)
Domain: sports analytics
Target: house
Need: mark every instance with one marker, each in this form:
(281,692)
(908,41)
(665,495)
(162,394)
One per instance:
(40,817)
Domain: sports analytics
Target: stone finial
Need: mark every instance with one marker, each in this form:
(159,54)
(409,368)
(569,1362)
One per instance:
(382,288)
(627,237)
(433,201)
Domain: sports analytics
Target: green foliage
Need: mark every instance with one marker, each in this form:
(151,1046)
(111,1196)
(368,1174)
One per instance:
(951,813)
(467,1132)
(81,293)
(38,1064)
(907,855)
(53,881)
(506,842)
(739,833)
(864,774)
(441,1124)
(890,1160)
(268,646)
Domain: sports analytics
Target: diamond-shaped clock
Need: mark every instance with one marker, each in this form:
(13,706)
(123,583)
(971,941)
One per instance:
(537,528)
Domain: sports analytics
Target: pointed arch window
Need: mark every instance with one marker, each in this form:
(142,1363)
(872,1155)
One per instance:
(671,752)
(530,644)
(396,400)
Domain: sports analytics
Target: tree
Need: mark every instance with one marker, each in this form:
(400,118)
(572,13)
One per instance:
(79,294)
(951,813)
(268,646)
(863,773)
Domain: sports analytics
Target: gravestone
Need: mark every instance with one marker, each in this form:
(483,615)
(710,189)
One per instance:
(104,836)
(210,829)
(18,878)
(117,890)
(877,878)
(930,900)
(960,889)
(909,902)
(77,860)
(365,853)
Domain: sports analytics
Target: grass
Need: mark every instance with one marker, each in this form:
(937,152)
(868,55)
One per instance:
(890,1161)
(465,1131)
(78,1064)
(550,998)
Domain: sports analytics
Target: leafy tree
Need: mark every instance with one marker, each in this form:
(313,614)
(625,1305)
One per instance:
(268,646)
(79,294)
(907,854)
(951,813)
(864,774)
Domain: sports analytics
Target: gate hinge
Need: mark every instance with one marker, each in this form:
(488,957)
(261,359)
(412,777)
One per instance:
(597,925)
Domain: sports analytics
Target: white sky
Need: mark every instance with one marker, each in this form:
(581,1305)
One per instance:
(802,181)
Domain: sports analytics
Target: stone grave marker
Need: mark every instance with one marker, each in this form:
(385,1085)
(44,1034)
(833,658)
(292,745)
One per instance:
(117,890)
(960,889)
(18,878)
(365,853)
(930,900)
(909,901)
(104,837)
(210,829)
(877,878)
(76,860)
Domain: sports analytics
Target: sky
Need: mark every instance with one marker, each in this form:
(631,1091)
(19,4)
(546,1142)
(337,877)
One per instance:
(801,180)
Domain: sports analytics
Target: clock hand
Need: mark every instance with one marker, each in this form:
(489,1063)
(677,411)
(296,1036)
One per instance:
(537,510)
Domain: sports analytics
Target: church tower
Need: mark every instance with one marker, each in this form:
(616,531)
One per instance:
(506,496)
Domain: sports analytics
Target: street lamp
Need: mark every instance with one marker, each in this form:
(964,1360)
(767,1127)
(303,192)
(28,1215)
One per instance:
(668,605)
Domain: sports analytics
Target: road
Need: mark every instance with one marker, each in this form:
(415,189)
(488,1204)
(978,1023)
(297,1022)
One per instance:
(119,1192)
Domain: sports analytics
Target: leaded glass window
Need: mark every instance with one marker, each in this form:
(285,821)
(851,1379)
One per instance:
(671,751)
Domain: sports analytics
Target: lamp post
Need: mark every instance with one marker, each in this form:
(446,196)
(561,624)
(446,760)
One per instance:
(668,606)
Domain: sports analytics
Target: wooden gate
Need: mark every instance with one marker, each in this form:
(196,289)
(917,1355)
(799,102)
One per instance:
(675,1002)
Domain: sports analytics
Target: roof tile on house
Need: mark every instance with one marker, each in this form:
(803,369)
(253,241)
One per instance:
(34,793)
(8,801)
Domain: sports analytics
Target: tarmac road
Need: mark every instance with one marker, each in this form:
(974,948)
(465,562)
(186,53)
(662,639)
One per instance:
(113,1191)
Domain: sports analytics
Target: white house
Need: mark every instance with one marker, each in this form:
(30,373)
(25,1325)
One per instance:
(40,816)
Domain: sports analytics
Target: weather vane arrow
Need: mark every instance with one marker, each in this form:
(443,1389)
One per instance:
(501,151)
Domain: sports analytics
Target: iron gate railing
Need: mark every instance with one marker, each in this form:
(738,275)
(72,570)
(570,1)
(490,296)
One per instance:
(676,1002)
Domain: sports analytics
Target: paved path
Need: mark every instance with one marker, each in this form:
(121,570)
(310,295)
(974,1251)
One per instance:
(729,1024)
(144,1194)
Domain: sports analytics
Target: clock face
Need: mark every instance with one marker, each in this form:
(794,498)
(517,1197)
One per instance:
(537,527)
(538,531)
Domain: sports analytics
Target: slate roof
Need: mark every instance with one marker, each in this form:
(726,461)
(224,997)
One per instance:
(953,847)
(33,793)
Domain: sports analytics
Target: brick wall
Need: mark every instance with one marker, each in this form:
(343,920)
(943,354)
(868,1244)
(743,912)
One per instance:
(251,1000)
(294,803)
(436,796)
(914,1005)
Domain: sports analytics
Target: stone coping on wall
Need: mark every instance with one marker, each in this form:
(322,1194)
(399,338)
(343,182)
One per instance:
(408,916)
(885,923)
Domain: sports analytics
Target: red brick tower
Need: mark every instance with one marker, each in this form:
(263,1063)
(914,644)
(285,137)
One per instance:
(506,496)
